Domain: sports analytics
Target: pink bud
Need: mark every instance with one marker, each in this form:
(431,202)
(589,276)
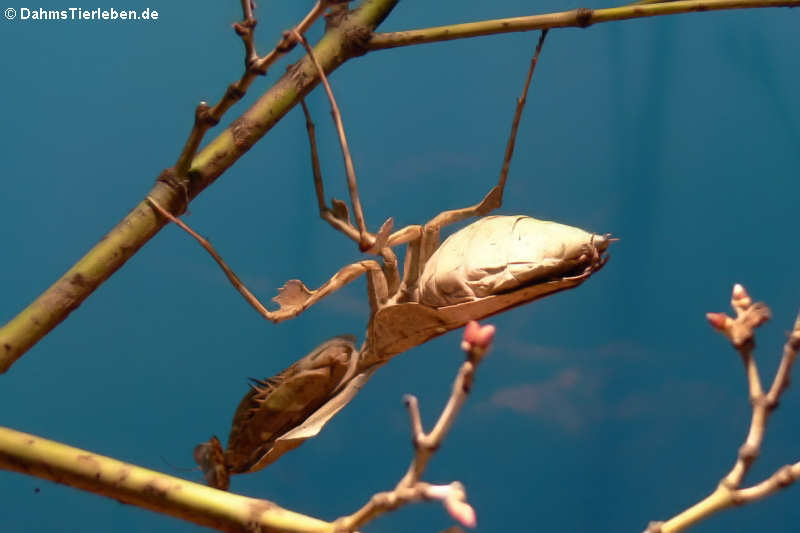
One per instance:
(477,335)
(738,291)
(718,320)
(461,512)
(740,297)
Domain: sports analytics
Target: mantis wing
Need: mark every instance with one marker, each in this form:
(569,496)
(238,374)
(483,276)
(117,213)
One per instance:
(314,423)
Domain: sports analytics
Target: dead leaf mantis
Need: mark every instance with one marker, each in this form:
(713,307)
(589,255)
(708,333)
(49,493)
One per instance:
(490,266)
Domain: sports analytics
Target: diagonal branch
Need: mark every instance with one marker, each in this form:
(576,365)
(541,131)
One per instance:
(127,483)
(206,117)
(340,43)
(576,18)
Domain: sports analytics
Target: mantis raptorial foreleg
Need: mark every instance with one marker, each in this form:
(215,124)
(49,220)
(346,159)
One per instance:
(383,279)
(294,297)
(338,215)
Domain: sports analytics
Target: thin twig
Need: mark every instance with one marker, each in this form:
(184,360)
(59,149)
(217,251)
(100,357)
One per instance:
(781,381)
(410,488)
(741,332)
(579,18)
(207,117)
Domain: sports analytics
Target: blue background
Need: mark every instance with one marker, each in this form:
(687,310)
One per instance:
(599,409)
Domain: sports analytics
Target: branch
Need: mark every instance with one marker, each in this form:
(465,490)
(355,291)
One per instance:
(340,43)
(148,489)
(579,18)
(741,332)
(206,117)
(476,343)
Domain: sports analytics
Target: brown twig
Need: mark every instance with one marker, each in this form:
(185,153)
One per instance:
(206,116)
(741,332)
(476,343)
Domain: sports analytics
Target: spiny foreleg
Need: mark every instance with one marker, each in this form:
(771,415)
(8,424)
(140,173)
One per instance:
(294,297)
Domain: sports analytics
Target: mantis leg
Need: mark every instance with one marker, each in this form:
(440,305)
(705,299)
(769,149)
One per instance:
(501,183)
(494,198)
(232,277)
(408,288)
(390,270)
(339,217)
(428,234)
(294,297)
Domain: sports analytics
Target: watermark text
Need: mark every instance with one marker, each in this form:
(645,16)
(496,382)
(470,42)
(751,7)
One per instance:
(79,14)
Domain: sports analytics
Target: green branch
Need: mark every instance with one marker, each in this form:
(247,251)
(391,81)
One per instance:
(145,488)
(339,44)
(579,18)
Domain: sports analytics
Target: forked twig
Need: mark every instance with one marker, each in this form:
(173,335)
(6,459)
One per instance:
(741,332)
(476,343)
(207,116)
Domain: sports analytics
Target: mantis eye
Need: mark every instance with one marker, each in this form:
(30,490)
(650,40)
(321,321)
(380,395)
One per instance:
(211,458)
